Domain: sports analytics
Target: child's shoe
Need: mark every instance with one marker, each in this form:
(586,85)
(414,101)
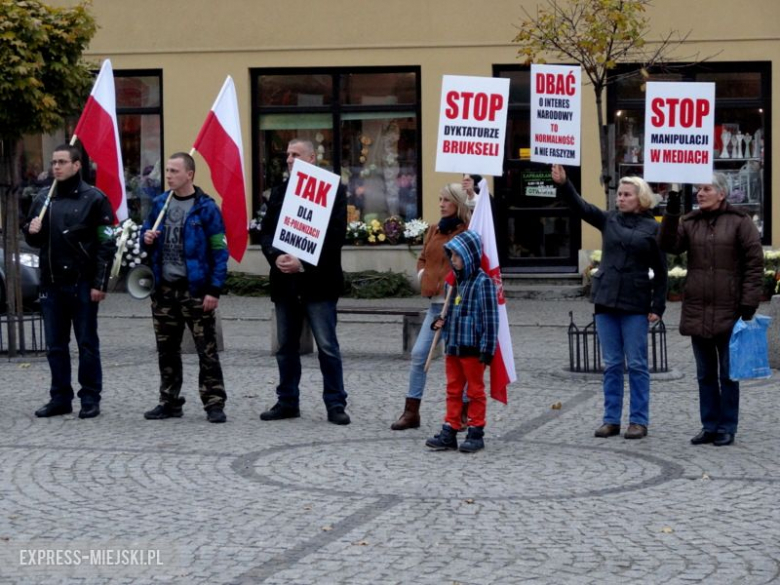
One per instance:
(473,442)
(446,439)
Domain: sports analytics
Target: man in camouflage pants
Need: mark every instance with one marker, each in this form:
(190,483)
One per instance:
(189,260)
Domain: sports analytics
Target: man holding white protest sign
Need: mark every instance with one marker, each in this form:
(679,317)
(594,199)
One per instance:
(302,235)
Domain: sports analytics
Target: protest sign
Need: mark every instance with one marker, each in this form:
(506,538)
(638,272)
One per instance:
(472,125)
(556,105)
(679,127)
(308,203)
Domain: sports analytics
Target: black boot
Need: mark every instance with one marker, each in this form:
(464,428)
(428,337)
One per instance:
(474,441)
(410,419)
(446,439)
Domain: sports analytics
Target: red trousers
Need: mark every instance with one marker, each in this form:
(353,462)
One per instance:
(469,372)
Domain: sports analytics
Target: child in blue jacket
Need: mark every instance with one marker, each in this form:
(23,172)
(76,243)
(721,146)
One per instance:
(470,337)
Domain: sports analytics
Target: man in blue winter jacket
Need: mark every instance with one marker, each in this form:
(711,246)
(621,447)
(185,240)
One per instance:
(189,259)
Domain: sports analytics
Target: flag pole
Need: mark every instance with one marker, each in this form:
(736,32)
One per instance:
(53,184)
(438,331)
(159,219)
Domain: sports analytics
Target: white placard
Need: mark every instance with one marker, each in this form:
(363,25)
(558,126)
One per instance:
(472,125)
(556,114)
(308,203)
(679,132)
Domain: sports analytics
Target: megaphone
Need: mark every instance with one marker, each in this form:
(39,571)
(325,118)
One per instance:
(140,281)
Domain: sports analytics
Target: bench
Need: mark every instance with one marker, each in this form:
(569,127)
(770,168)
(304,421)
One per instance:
(412,321)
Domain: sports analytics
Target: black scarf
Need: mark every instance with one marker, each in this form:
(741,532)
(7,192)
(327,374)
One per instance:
(449,224)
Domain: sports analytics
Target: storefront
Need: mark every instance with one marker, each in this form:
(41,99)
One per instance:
(364,85)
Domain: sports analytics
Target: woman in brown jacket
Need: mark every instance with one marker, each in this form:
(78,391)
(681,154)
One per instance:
(725,271)
(432,268)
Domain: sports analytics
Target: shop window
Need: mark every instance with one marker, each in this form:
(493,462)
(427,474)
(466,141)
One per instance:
(363,123)
(741,144)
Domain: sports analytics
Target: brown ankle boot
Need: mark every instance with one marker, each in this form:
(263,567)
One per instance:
(410,419)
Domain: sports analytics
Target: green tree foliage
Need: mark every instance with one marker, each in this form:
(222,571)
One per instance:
(43,79)
(597,35)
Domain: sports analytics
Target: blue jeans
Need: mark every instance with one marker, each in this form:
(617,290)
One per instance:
(322,319)
(623,340)
(417,374)
(718,403)
(63,306)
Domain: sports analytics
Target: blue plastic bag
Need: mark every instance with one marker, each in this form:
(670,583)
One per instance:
(748,349)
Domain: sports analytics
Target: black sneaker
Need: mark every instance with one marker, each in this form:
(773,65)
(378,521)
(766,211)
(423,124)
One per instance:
(89,411)
(279,412)
(162,411)
(216,415)
(54,409)
(338,417)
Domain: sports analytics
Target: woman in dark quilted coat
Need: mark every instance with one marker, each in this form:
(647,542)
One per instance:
(725,272)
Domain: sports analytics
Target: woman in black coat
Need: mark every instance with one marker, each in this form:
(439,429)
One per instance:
(627,299)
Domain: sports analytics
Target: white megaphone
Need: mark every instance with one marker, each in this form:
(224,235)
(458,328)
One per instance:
(140,281)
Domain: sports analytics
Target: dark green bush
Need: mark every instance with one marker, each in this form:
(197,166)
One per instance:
(369,284)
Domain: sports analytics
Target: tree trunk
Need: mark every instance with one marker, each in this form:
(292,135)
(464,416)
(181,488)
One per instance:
(606,176)
(13,281)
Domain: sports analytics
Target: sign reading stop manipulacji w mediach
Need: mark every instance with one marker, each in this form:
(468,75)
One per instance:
(556,106)
(308,204)
(679,131)
(472,125)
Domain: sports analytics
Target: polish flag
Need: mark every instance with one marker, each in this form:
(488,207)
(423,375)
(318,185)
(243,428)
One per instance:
(98,131)
(502,368)
(219,142)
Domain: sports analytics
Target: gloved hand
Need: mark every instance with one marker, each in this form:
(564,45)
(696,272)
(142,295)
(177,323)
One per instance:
(673,202)
(746,312)
(438,323)
(486,358)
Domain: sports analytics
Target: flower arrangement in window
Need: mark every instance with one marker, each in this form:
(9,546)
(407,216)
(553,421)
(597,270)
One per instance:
(357,233)
(376,232)
(394,229)
(771,273)
(676,282)
(414,231)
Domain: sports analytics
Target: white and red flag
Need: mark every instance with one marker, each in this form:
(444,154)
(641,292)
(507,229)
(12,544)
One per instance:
(98,131)
(502,368)
(219,142)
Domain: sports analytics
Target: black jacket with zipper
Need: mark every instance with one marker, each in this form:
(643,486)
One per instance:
(76,236)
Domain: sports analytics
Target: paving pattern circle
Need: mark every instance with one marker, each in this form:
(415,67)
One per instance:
(529,470)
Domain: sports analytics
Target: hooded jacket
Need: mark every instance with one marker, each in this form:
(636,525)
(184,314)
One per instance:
(472,317)
(725,267)
(629,251)
(76,237)
(205,246)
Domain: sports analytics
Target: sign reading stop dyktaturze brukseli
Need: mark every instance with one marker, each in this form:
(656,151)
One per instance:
(556,105)
(308,203)
(472,125)
(679,126)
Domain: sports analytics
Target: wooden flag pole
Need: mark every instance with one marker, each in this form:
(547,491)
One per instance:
(53,184)
(438,331)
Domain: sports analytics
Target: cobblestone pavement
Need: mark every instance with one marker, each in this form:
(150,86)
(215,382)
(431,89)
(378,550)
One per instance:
(307,502)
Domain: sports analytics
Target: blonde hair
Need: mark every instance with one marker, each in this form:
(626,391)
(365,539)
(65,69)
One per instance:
(454,192)
(647,199)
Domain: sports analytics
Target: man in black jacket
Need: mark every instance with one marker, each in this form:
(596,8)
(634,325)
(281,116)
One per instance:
(77,247)
(301,289)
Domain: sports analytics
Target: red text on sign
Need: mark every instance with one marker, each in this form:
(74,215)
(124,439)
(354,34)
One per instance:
(557,84)
(467,105)
(684,112)
(310,188)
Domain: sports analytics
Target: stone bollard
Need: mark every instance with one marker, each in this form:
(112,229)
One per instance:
(188,344)
(773,333)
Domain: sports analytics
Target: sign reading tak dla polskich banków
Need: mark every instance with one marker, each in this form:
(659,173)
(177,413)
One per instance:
(472,125)
(308,203)
(556,112)
(679,132)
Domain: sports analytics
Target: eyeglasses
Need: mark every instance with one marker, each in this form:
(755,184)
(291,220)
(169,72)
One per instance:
(61,162)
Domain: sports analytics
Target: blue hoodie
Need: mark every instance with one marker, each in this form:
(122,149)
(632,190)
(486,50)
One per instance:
(472,318)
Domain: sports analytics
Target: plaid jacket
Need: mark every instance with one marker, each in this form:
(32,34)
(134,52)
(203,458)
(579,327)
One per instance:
(472,317)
